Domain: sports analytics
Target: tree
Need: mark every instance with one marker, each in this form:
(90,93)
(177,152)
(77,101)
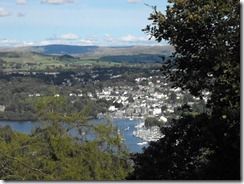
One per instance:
(172,97)
(152,121)
(65,147)
(206,37)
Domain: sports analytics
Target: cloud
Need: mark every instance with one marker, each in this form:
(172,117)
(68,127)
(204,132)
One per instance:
(130,38)
(56,2)
(73,39)
(70,39)
(68,36)
(80,42)
(134,1)
(109,38)
(126,40)
(52,42)
(92,38)
(15,43)
(21,1)
(4,13)
(85,42)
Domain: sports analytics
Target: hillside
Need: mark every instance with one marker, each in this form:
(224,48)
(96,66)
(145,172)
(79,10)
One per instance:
(92,51)
(64,49)
(58,57)
(30,61)
(133,50)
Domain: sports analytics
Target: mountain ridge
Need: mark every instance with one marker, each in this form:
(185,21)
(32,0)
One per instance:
(84,51)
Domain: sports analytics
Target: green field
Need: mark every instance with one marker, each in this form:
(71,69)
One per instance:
(28,61)
(65,57)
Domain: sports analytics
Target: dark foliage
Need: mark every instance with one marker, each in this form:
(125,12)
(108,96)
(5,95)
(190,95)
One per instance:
(206,36)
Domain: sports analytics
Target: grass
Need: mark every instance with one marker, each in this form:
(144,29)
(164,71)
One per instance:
(26,61)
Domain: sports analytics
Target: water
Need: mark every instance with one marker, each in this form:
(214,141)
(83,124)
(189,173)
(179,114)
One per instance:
(21,126)
(125,126)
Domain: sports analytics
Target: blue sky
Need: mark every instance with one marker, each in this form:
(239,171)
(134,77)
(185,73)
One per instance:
(75,22)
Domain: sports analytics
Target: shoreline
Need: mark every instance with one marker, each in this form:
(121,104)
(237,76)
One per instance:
(32,120)
(130,140)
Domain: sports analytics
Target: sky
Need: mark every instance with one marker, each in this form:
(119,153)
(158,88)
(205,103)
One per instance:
(76,22)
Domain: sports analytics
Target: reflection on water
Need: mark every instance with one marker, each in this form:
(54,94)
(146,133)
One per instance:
(125,126)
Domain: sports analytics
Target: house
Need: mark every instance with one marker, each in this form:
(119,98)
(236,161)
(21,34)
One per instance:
(89,94)
(137,110)
(72,94)
(2,108)
(112,108)
(170,110)
(164,119)
(157,111)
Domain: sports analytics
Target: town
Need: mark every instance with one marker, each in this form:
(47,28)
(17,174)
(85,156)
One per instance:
(127,92)
(150,97)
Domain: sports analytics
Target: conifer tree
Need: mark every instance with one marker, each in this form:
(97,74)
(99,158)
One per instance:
(66,147)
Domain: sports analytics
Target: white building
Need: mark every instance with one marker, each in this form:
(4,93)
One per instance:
(157,111)
(164,119)
(112,108)
(2,108)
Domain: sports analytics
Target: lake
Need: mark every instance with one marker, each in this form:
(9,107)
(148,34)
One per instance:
(125,126)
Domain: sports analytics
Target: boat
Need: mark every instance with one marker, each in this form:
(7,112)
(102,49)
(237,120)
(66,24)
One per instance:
(142,143)
(134,133)
(127,128)
(140,125)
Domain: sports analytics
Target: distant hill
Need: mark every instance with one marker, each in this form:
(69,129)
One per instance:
(93,51)
(57,57)
(133,59)
(134,50)
(64,49)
